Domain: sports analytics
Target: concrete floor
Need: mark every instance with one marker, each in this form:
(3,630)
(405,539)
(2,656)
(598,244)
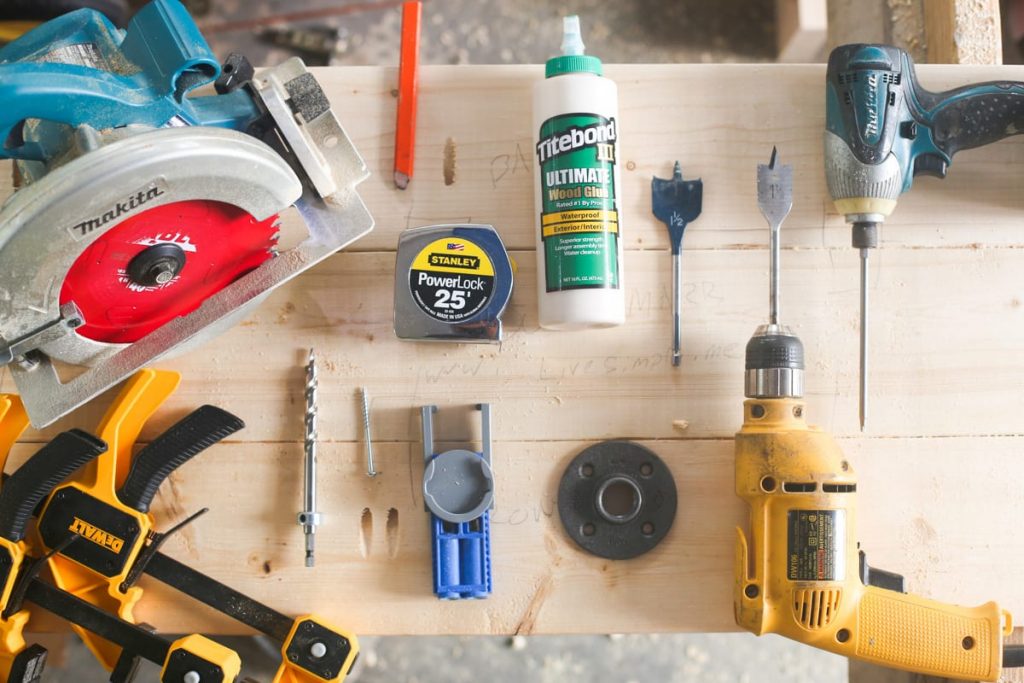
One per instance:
(463,32)
(667,658)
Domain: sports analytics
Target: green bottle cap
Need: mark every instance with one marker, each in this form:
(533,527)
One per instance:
(568,64)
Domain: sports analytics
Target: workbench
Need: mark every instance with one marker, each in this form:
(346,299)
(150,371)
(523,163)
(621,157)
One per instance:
(940,465)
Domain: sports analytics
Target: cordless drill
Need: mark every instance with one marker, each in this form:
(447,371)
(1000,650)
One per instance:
(882,129)
(800,573)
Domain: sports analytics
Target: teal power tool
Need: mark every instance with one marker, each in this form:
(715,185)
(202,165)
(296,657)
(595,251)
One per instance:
(882,129)
(147,218)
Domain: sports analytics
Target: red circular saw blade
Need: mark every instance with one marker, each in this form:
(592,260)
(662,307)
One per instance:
(221,243)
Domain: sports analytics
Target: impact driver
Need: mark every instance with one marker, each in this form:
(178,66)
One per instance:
(882,129)
(800,573)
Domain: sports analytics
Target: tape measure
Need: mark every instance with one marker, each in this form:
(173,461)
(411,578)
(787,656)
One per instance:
(452,283)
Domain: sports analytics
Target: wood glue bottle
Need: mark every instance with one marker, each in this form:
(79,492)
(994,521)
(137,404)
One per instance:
(579,243)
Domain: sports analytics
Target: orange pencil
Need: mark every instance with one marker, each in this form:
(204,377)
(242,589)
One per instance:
(405,128)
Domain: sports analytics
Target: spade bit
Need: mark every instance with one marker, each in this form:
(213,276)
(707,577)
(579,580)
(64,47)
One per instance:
(775,199)
(676,203)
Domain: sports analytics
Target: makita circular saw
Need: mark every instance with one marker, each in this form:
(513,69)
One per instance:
(146,219)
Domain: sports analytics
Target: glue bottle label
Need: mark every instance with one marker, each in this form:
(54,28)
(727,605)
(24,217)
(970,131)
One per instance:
(451,279)
(579,216)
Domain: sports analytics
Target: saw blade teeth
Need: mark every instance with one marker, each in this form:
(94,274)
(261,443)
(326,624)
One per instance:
(123,310)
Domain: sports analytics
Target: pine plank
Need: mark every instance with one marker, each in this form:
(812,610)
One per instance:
(938,467)
(948,328)
(918,506)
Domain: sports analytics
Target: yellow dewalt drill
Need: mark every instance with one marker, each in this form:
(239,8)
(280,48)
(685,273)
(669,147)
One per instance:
(800,572)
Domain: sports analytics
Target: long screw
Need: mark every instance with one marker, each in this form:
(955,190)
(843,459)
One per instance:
(370,469)
(309,518)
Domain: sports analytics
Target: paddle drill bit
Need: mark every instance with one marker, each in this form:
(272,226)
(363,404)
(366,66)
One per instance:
(775,199)
(774,355)
(309,518)
(676,203)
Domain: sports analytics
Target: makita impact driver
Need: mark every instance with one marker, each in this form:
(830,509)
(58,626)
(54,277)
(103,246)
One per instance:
(882,129)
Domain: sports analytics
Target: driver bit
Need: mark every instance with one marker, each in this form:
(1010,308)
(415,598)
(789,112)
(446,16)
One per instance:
(309,518)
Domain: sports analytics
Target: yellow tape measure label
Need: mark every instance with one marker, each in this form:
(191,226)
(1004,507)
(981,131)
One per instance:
(451,279)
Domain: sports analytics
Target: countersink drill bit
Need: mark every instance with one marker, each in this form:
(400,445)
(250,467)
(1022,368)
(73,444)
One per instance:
(309,518)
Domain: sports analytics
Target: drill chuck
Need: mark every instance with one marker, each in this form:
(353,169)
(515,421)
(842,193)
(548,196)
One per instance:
(774,364)
(864,234)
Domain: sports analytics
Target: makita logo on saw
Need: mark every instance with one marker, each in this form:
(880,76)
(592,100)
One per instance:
(141,197)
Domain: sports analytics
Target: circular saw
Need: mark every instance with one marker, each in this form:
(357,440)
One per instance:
(146,218)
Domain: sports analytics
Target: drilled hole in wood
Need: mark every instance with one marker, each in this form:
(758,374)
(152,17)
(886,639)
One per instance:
(392,532)
(365,532)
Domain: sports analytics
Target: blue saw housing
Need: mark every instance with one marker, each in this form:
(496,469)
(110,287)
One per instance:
(79,70)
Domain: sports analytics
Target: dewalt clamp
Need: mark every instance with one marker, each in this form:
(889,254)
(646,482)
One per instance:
(193,658)
(109,506)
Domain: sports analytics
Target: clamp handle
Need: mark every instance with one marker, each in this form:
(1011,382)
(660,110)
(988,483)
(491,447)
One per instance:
(199,430)
(34,480)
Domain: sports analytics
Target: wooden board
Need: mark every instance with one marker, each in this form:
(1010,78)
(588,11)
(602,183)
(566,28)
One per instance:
(963,31)
(940,467)
(800,30)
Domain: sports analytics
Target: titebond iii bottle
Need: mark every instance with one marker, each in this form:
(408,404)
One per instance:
(579,244)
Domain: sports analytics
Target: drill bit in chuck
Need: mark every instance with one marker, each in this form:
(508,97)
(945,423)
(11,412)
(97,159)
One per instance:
(775,356)
(865,237)
(309,518)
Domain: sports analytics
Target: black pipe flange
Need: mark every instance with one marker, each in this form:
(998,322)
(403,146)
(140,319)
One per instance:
(617,500)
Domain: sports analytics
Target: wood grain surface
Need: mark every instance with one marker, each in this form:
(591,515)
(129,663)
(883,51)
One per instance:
(940,466)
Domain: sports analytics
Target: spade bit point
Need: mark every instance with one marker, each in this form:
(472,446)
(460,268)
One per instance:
(676,203)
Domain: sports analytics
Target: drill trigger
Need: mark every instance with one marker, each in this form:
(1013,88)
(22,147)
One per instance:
(930,164)
(880,578)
